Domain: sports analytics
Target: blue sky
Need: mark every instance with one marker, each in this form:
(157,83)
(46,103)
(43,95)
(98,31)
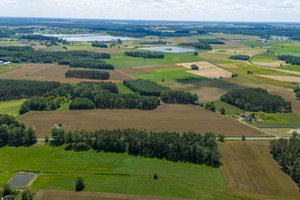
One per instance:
(196,10)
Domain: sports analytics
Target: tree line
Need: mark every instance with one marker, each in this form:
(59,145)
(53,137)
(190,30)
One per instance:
(197,45)
(159,42)
(188,147)
(287,153)
(144,54)
(17,54)
(180,97)
(145,87)
(87,74)
(14,133)
(99,44)
(42,38)
(256,99)
(91,64)
(294,60)
(211,41)
(239,57)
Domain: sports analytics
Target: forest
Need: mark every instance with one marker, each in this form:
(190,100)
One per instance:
(211,41)
(188,147)
(99,44)
(143,54)
(87,74)
(256,99)
(22,89)
(14,133)
(294,60)
(287,153)
(197,45)
(239,57)
(91,64)
(145,87)
(17,54)
(180,97)
(42,38)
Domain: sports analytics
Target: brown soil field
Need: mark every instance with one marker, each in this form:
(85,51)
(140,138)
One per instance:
(167,117)
(228,44)
(145,69)
(207,70)
(69,195)
(248,168)
(271,64)
(54,72)
(282,78)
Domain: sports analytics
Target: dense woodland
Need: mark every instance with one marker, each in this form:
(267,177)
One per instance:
(180,97)
(14,133)
(197,45)
(87,74)
(144,54)
(239,57)
(256,99)
(211,41)
(53,40)
(188,147)
(294,60)
(145,87)
(287,153)
(21,89)
(99,44)
(91,64)
(17,54)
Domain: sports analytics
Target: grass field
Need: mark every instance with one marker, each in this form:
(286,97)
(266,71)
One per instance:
(248,166)
(293,50)
(295,68)
(123,89)
(174,179)
(11,107)
(4,177)
(229,109)
(289,120)
(7,68)
(167,117)
(175,74)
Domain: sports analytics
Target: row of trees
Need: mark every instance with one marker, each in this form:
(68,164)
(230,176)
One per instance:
(287,154)
(91,64)
(239,57)
(211,41)
(20,89)
(87,74)
(17,54)
(99,44)
(180,97)
(145,87)
(188,147)
(159,42)
(197,45)
(41,38)
(144,54)
(256,99)
(294,60)
(14,133)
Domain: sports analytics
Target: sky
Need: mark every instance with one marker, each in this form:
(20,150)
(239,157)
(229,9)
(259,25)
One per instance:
(175,10)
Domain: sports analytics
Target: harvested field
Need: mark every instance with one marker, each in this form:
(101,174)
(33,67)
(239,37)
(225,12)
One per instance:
(228,44)
(282,78)
(238,51)
(167,117)
(248,167)
(65,195)
(207,70)
(271,64)
(54,72)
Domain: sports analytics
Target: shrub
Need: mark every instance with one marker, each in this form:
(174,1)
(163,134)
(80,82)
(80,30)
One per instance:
(194,67)
(79,185)
(239,57)
(155,177)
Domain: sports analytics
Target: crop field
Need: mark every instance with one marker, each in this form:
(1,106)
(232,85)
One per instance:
(268,63)
(295,68)
(11,107)
(53,72)
(59,168)
(167,117)
(207,70)
(248,166)
(282,78)
(292,50)
(238,51)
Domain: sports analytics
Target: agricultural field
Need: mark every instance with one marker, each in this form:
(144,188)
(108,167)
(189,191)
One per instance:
(248,168)
(167,117)
(11,107)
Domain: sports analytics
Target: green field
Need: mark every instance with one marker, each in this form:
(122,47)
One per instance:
(170,58)
(7,68)
(229,109)
(123,89)
(59,169)
(284,120)
(4,177)
(11,107)
(174,74)
(289,50)
(295,68)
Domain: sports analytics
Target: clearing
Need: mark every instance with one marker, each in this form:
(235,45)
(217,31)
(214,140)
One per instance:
(207,70)
(248,166)
(167,117)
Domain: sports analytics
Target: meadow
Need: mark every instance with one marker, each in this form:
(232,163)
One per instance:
(11,107)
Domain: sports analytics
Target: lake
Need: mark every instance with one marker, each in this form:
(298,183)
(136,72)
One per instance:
(87,37)
(170,49)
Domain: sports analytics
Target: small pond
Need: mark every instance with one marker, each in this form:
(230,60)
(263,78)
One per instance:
(170,49)
(21,180)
